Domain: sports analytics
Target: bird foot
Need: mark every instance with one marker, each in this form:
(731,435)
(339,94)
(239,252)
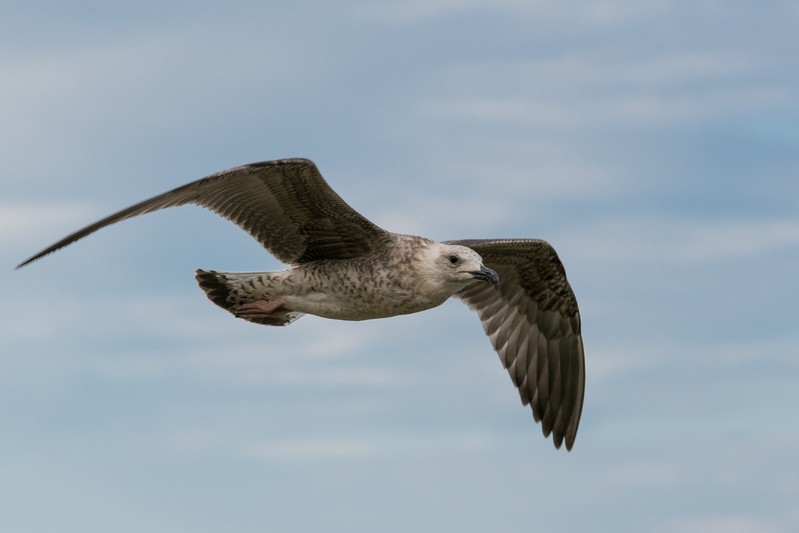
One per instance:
(261,309)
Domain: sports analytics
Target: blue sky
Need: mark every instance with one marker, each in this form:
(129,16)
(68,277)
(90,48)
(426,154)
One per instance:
(654,144)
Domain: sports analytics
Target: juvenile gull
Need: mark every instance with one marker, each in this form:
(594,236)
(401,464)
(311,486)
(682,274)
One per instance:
(345,267)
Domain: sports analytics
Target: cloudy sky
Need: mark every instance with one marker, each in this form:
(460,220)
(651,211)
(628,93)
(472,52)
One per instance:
(654,144)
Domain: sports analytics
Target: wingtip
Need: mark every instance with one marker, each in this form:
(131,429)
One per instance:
(49,250)
(558,443)
(30,260)
(559,438)
(26,262)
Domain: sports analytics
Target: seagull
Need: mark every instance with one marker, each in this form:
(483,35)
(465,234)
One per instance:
(342,266)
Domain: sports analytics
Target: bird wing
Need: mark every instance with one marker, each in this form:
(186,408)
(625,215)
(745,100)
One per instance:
(533,323)
(285,205)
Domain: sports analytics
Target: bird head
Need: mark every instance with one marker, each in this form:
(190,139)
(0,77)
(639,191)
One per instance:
(460,266)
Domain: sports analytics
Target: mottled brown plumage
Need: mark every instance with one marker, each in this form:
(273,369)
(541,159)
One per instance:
(534,325)
(345,267)
(285,205)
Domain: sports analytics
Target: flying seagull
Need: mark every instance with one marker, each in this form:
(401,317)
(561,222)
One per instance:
(345,267)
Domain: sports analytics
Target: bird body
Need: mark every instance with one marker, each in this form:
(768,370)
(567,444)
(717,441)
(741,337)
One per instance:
(343,266)
(396,280)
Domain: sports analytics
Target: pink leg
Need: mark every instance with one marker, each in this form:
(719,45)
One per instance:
(261,309)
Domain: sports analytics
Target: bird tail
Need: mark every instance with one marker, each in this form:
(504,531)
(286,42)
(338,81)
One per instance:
(231,290)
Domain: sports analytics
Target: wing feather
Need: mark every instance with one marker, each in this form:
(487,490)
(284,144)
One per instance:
(533,323)
(286,205)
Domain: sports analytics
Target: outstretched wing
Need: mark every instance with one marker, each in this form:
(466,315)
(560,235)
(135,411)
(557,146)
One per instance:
(534,325)
(285,205)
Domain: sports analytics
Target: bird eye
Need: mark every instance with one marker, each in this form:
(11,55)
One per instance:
(453,259)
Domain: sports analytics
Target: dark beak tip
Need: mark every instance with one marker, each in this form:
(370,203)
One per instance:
(487,274)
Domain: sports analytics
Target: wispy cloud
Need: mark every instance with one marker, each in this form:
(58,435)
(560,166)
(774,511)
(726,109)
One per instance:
(193,339)
(316,450)
(683,240)
(26,225)
(717,240)
(644,475)
(250,446)
(726,523)
(606,12)
(627,134)
(631,89)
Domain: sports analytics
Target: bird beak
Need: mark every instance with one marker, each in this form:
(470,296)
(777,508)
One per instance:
(486,274)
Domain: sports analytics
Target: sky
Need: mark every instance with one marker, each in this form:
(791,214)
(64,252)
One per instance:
(654,144)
